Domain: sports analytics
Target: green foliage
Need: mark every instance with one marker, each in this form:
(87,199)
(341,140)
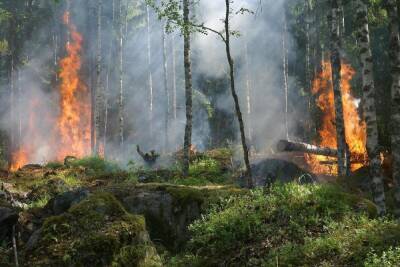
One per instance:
(54,165)
(389,258)
(96,165)
(284,216)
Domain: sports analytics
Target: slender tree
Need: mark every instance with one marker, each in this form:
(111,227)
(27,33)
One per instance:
(149,72)
(248,93)
(99,89)
(394,52)
(121,74)
(234,94)
(188,87)
(336,80)
(166,90)
(369,108)
(107,89)
(285,73)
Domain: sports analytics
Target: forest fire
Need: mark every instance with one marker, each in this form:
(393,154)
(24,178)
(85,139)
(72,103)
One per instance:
(73,124)
(355,128)
(71,134)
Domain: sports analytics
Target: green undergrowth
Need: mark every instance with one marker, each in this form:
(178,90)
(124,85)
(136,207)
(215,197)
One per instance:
(96,165)
(289,225)
(209,168)
(96,232)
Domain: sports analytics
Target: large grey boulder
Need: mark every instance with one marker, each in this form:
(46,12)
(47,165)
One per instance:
(268,171)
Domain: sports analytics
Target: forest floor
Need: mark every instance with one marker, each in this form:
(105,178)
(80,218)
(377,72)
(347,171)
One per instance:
(90,212)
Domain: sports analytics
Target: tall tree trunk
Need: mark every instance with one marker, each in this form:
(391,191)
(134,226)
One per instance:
(394,52)
(106,93)
(166,89)
(248,93)
(285,73)
(337,90)
(235,96)
(12,102)
(174,94)
(188,88)
(99,89)
(150,75)
(369,107)
(121,74)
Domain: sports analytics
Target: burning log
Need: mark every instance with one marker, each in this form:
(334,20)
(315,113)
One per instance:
(289,146)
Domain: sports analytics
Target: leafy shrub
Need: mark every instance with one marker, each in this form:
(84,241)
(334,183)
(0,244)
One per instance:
(389,258)
(96,165)
(54,165)
(281,223)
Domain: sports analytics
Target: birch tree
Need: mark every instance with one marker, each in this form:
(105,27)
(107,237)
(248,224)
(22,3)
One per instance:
(99,90)
(121,73)
(149,73)
(369,108)
(166,90)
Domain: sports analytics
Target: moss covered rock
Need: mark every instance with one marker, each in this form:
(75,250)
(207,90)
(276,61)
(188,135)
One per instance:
(96,232)
(170,209)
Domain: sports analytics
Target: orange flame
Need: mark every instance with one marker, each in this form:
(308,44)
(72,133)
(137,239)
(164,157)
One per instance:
(71,136)
(74,119)
(355,128)
(22,156)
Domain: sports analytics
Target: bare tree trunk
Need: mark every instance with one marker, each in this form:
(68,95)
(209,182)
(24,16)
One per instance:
(174,94)
(121,81)
(167,102)
(12,102)
(98,90)
(369,107)
(248,93)
(106,93)
(19,108)
(150,75)
(394,52)
(188,88)
(235,96)
(336,79)
(285,74)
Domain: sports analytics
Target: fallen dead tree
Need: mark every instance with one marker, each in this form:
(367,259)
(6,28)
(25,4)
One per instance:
(290,146)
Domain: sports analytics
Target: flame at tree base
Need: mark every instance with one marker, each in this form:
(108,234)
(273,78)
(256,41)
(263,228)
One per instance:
(71,134)
(355,128)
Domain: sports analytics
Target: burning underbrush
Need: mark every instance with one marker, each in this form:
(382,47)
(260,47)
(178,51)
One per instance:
(355,127)
(71,134)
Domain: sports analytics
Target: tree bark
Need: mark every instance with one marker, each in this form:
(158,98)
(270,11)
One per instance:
(188,88)
(285,74)
(248,94)
(174,93)
(150,75)
(121,81)
(394,52)
(235,96)
(99,89)
(369,108)
(336,80)
(166,90)
(107,89)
